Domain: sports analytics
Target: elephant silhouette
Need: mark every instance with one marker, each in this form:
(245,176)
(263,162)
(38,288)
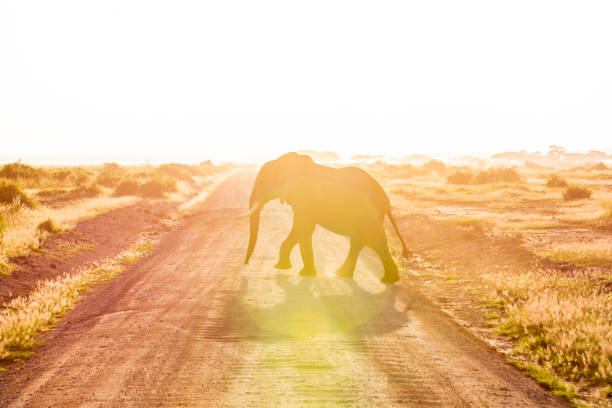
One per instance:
(347,201)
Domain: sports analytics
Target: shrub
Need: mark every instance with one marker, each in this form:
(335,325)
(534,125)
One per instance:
(127,188)
(10,193)
(92,190)
(599,167)
(79,176)
(153,189)
(460,177)
(179,171)
(497,175)
(576,193)
(435,165)
(555,181)
(157,187)
(111,167)
(108,179)
(19,170)
(61,174)
(49,226)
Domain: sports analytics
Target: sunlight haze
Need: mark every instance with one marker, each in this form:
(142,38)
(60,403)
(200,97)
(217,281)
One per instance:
(235,80)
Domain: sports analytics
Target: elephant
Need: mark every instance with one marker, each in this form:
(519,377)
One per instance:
(347,201)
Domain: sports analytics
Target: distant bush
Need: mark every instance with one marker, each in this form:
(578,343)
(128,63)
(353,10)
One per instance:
(152,189)
(157,187)
(127,188)
(460,177)
(179,171)
(576,193)
(497,175)
(19,170)
(79,176)
(108,179)
(555,181)
(61,174)
(435,165)
(92,190)
(10,194)
(489,176)
(111,167)
(49,226)
(599,167)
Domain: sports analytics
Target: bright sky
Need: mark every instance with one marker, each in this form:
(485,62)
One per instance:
(234,79)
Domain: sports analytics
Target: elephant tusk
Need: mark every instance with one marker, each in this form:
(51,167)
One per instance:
(251,211)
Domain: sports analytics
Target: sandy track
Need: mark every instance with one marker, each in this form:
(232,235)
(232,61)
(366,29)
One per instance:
(189,326)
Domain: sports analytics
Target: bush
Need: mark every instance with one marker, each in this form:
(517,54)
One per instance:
(61,174)
(555,181)
(489,176)
(576,193)
(93,190)
(127,188)
(10,193)
(435,165)
(108,179)
(19,170)
(49,226)
(111,167)
(599,167)
(158,187)
(497,175)
(460,177)
(152,189)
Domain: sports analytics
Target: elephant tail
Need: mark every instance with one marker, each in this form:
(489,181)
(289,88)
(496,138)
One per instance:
(405,252)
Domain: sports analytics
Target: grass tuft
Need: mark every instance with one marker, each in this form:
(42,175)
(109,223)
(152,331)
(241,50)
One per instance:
(547,380)
(11,194)
(48,226)
(555,181)
(576,193)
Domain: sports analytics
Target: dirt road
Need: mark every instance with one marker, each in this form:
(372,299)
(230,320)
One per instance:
(190,326)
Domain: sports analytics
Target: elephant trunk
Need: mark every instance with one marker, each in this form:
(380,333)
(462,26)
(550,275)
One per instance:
(254,230)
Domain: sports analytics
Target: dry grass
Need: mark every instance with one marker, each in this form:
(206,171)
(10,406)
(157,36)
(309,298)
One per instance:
(22,233)
(580,254)
(71,194)
(25,317)
(561,323)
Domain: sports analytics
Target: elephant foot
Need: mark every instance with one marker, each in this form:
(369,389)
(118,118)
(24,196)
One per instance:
(283,264)
(390,278)
(344,273)
(308,271)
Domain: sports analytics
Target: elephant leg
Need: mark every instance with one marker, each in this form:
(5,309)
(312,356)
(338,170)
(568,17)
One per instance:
(307,253)
(285,249)
(348,267)
(382,249)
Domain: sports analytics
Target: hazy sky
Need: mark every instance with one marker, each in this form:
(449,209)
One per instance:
(229,79)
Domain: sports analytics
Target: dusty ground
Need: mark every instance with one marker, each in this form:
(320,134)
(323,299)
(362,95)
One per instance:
(90,242)
(190,326)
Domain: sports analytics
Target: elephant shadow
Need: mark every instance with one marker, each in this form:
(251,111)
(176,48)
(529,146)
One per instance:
(321,306)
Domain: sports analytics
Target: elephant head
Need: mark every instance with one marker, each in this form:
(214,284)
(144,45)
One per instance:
(270,182)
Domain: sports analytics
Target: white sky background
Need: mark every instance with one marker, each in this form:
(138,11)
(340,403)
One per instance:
(237,79)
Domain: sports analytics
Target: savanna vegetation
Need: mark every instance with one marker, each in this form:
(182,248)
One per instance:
(38,201)
(533,249)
